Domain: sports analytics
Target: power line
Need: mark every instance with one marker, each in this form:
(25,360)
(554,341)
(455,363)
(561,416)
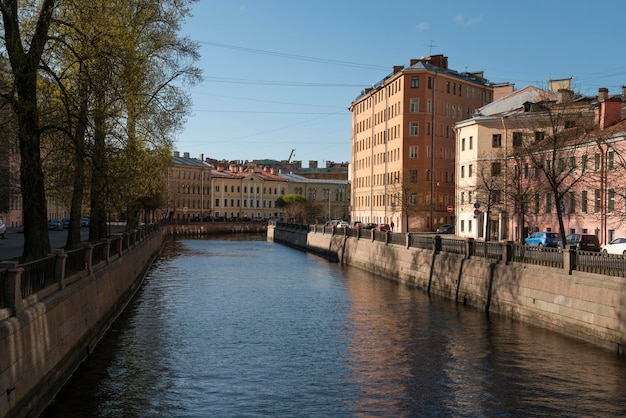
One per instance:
(278,83)
(296,57)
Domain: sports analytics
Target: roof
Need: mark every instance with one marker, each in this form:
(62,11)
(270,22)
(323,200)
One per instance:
(515,101)
(300,179)
(192,162)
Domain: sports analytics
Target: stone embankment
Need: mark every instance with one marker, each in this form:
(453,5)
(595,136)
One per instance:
(54,311)
(544,288)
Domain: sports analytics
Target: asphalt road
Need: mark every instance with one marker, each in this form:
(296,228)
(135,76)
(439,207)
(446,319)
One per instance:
(13,245)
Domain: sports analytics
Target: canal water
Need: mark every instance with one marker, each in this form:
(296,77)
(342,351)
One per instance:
(238,326)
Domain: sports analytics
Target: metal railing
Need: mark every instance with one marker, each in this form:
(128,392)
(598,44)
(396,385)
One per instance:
(501,251)
(38,275)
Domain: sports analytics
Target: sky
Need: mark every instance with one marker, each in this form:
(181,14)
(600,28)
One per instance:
(279,75)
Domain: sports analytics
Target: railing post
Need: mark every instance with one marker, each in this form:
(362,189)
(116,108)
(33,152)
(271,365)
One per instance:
(437,244)
(408,240)
(569,259)
(13,286)
(59,270)
(507,252)
(107,248)
(89,258)
(470,248)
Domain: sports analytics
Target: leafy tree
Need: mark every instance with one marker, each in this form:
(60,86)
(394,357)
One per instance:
(24,46)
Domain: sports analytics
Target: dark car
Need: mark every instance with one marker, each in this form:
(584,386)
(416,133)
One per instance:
(66,223)
(446,229)
(55,225)
(583,242)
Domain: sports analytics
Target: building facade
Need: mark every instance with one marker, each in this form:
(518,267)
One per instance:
(534,157)
(403,143)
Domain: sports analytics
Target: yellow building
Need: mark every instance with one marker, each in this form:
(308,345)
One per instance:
(403,143)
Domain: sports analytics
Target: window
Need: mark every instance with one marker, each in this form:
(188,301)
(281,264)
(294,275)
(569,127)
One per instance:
(414,198)
(496,169)
(596,161)
(611,200)
(583,163)
(548,202)
(570,124)
(463,144)
(496,197)
(414,129)
(415,105)
(572,203)
(462,226)
(430,82)
(462,171)
(536,205)
(413,151)
(469,197)
(583,201)
(217,202)
(462,198)
(526,168)
(413,176)
(496,140)
(469,170)
(429,106)
(539,136)
(415,82)
(610,163)
(471,142)
(596,201)
(517,139)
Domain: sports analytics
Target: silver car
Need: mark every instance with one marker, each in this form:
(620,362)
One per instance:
(3,229)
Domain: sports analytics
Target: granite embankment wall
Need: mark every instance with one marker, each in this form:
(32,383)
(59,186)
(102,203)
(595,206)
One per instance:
(588,306)
(54,311)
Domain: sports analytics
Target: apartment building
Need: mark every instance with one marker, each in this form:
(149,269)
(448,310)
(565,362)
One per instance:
(403,143)
(187,189)
(248,192)
(330,196)
(513,153)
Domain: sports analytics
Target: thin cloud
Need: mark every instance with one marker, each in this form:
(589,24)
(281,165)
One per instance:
(460,19)
(422,26)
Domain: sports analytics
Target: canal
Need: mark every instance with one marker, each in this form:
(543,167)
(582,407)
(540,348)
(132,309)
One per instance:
(238,326)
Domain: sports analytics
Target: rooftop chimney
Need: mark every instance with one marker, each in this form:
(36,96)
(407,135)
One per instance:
(176,154)
(603,94)
(186,155)
(609,112)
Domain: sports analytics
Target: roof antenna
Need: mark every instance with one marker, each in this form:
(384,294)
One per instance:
(430,47)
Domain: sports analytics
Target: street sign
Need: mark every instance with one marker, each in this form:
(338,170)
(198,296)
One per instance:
(476,212)
(450,208)
(476,205)
(562,207)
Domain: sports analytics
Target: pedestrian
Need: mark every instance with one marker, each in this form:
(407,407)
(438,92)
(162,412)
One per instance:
(391,226)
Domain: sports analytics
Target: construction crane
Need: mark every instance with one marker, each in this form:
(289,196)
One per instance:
(290,155)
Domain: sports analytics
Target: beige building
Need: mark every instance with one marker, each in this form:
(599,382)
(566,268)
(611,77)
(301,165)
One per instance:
(330,196)
(188,187)
(403,143)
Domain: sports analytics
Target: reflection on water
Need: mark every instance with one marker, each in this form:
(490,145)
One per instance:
(241,327)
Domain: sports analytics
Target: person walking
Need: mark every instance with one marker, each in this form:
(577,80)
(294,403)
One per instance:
(391,226)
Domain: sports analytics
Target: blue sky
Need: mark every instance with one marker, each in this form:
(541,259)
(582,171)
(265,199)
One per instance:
(281,74)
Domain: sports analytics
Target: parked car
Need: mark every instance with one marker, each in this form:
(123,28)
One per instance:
(66,223)
(617,246)
(334,222)
(356,225)
(369,225)
(383,227)
(55,225)
(446,229)
(342,224)
(3,230)
(543,239)
(583,242)
(84,221)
